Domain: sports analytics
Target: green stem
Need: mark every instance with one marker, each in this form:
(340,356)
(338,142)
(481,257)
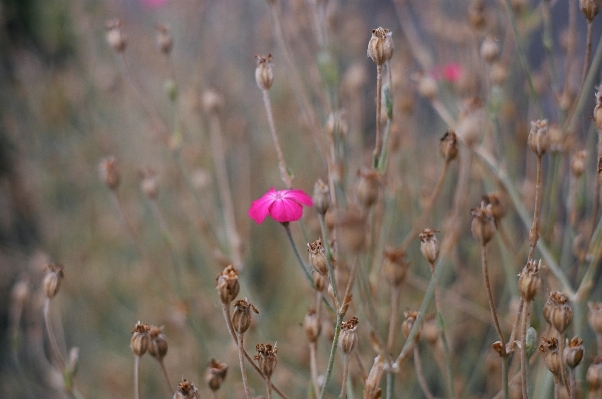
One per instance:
(329,258)
(333,350)
(297,255)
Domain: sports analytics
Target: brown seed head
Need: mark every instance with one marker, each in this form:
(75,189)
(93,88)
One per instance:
(595,316)
(312,325)
(319,282)
(372,388)
(158,343)
(149,183)
(472,121)
(227,284)
(594,374)
(430,330)
(578,163)
(529,280)
(498,210)
(186,390)
(573,352)
(317,257)
(476,15)
(215,374)
(264,75)
(589,8)
(366,187)
(321,197)
(448,146)
(52,279)
(429,245)
(164,39)
(408,324)
(140,339)
(490,50)
(557,311)
(241,318)
(551,354)
(266,357)
(395,266)
(115,36)
(109,173)
(380,46)
(348,338)
(539,137)
(483,224)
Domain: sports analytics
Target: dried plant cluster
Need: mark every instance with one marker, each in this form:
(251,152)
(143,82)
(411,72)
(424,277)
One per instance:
(444,183)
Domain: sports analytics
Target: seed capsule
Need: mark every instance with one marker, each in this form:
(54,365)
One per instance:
(429,245)
(483,224)
(366,187)
(140,339)
(52,279)
(312,325)
(321,197)
(539,137)
(348,338)
(430,329)
(241,318)
(557,311)
(408,324)
(529,280)
(264,76)
(589,8)
(164,39)
(498,210)
(549,347)
(380,46)
(115,36)
(186,390)
(148,183)
(109,173)
(573,352)
(595,316)
(490,50)
(578,163)
(266,357)
(448,146)
(395,266)
(215,374)
(158,343)
(594,374)
(227,284)
(317,257)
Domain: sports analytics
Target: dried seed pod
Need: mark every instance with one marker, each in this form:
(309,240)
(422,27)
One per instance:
(395,266)
(158,343)
(594,374)
(186,390)
(490,50)
(573,352)
(578,163)
(148,183)
(448,146)
(241,318)
(312,325)
(589,8)
(539,137)
(366,187)
(483,224)
(427,87)
(140,339)
(498,73)
(52,279)
(529,280)
(212,101)
(557,311)
(472,121)
(215,374)
(430,330)
(319,282)
(264,76)
(321,197)
(348,338)
(266,357)
(164,39)
(115,36)
(476,15)
(372,388)
(429,245)
(552,359)
(498,210)
(380,46)
(109,173)
(227,284)
(317,257)
(595,316)
(408,324)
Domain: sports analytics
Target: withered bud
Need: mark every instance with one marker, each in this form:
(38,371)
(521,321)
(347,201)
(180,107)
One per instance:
(551,355)
(115,36)
(529,280)
(448,146)
(594,374)
(598,110)
(372,388)
(498,210)
(212,101)
(312,325)
(427,87)
(348,338)
(140,339)
(490,50)
(429,245)
(595,316)
(241,318)
(227,284)
(483,224)
(476,15)
(366,187)
(408,324)
(319,282)
(472,121)
(164,39)
(557,311)
(395,266)
(380,46)
(148,183)
(573,352)
(109,173)
(578,163)
(186,390)
(52,279)
(158,343)
(321,197)
(215,374)
(430,330)
(539,137)
(589,8)
(264,76)
(266,357)
(317,257)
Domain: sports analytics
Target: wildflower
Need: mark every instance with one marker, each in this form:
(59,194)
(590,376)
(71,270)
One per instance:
(215,374)
(451,72)
(283,205)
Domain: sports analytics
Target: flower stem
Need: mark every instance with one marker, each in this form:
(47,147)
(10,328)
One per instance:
(297,255)
(285,176)
(534,232)
(345,373)
(379,83)
(241,359)
(269,386)
(136,377)
(166,376)
(523,352)
(313,365)
(333,350)
(420,375)
(51,337)
(490,296)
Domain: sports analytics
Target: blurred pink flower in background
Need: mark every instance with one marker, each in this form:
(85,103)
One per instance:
(282,206)
(153,3)
(451,72)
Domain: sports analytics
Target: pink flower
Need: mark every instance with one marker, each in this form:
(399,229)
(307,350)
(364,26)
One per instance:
(282,206)
(450,72)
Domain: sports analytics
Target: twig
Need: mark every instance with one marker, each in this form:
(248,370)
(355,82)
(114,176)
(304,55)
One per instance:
(52,338)
(420,375)
(241,359)
(285,176)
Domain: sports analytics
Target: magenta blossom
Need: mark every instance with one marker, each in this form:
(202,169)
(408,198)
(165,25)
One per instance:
(282,206)
(451,72)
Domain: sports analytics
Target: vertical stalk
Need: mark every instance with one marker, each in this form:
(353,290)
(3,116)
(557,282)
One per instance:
(534,232)
(379,83)
(343,394)
(490,296)
(562,365)
(420,375)
(333,350)
(523,352)
(166,376)
(136,377)
(313,366)
(241,359)
(284,175)
(269,386)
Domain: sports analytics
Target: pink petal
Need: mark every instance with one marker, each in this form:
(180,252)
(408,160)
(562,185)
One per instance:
(260,208)
(451,72)
(299,196)
(286,210)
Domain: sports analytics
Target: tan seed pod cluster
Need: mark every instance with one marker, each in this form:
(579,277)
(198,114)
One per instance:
(140,339)
(573,352)
(483,224)
(266,358)
(551,354)
(380,46)
(495,201)
(529,280)
(557,311)
(348,338)
(158,343)
(52,280)
(264,75)
(215,374)
(227,284)
(539,137)
(589,8)
(241,317)
(317,257)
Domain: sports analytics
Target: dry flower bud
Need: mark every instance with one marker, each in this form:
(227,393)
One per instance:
(312,325)
(109,173)
(148,183)
(589,8)
(427,87)
(551,358)
(557,311)
(448,146)
(52,279)
(529,280)
(372,388)
(490,50)
(594,374)
(186,390)
(595,316)
(164,40)
(483,224)
(573,352)
(158,343)
(408,324)
(241,318)
(539,137)
(115,36)
(140,339)
(366,187)
(429,245)
(266,357)
(380,47)
(430,330)
(321,197)
(348,338)
(472,121)
(215,374)
(395,266)
(578,163)
(227,284)
(494,200)
(264,76)
(319,282)
(212,101)
(317,257)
